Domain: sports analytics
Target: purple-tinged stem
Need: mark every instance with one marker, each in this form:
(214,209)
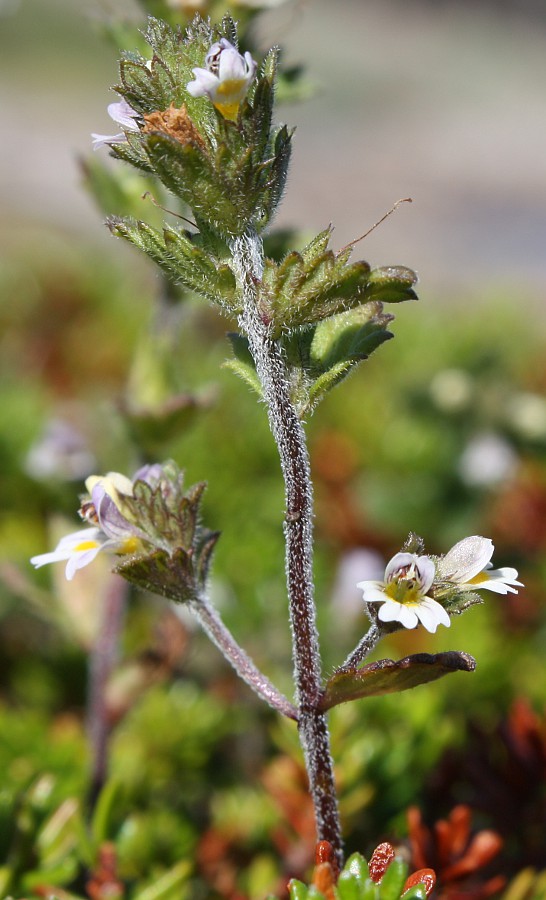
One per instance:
(102,660)
(298,528)
(218,633)
(362,650)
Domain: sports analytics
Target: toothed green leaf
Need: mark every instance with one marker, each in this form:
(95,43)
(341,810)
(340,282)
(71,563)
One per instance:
(391,284)
(133,152)
(179,256)
(350,336)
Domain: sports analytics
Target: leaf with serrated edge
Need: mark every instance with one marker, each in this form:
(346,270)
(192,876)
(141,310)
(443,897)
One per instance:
(170,576)
(387,676)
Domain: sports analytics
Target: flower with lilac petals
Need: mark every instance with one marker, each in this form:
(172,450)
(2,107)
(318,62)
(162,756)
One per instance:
(468,566)
(123,115)
(225,78)
(151,520)
(77,549)
(404,593)
(111,529)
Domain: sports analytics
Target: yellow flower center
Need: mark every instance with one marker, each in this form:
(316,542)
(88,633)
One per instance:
(479,578)
(228,97)
(130,545)
(86,545)
(404,590)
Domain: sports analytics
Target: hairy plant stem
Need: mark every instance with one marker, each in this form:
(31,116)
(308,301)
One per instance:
(212,624)
(298,528)
(362,650)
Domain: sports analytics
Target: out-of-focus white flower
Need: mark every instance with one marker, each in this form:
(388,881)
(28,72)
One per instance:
(452,390)
(526,413)
(225,78)
(403,593)
(188,6)
(356,563)
(123,115)
(487,459)
(61,452)
(468,566)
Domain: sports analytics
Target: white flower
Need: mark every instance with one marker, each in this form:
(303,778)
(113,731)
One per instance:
(111,529)
(226,78)
(468,565)
(78,550)
(403,593)
(487,459)
(123,115)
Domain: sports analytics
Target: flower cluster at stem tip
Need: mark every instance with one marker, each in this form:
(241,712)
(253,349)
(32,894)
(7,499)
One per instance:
(225,80)
(410,581)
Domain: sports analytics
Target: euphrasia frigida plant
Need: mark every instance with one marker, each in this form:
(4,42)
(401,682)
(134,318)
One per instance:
(197,115)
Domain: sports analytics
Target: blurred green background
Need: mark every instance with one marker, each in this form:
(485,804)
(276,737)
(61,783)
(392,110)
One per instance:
(443,432)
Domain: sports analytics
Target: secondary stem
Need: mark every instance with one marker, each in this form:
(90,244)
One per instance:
(239,659)
(103,658)
(290,439)
(362,650)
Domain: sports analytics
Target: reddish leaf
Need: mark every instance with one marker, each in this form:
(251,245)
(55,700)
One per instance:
(387,676)
(324,853)
(380,860)
(482,849)
(457,857)
(422,876)
(324,880)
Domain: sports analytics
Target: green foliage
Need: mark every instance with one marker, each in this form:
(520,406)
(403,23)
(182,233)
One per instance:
(308,287)
(178,254)
(149,85)
(242,363)
(231,177)
(319,357)
(169,517)
(355,883)
(527,885)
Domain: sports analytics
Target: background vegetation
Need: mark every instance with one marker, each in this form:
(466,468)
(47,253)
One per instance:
(442,433)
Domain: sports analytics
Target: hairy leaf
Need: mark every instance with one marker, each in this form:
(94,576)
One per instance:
(387,676)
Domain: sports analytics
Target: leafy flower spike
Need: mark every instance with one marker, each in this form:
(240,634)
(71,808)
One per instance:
(468,565)
(403,593)
(226,78)
(123,115)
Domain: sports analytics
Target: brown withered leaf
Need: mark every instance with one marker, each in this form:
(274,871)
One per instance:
(174,122)
(387,676)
